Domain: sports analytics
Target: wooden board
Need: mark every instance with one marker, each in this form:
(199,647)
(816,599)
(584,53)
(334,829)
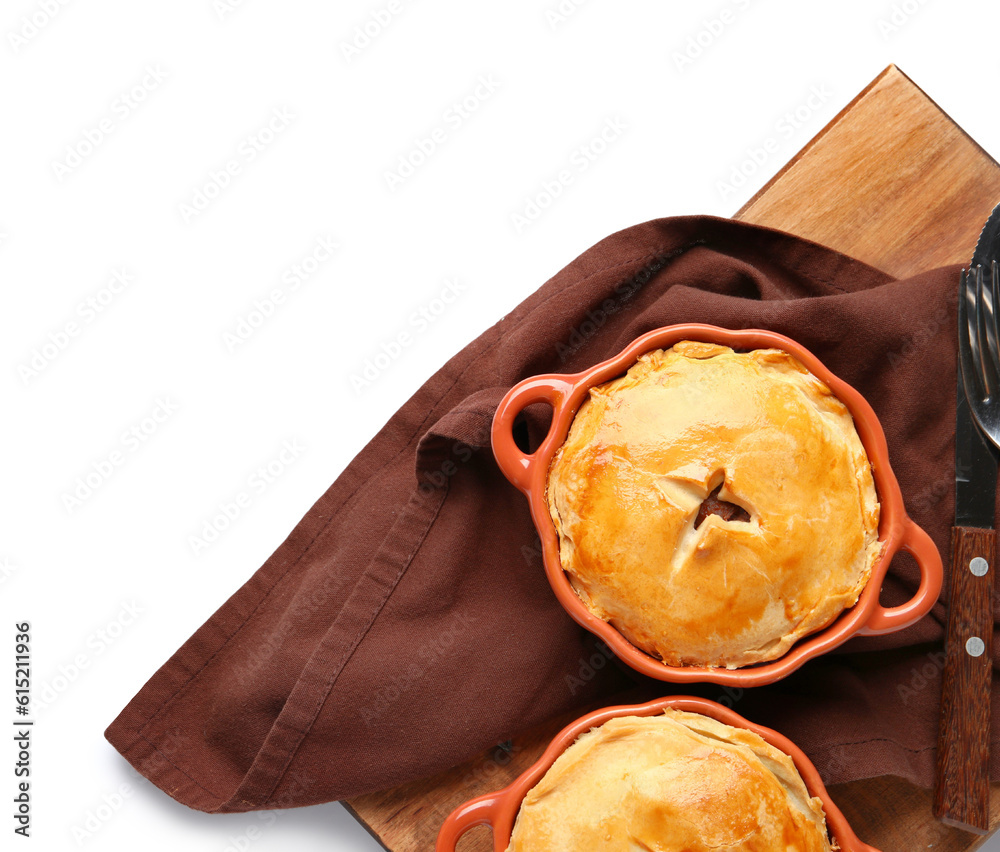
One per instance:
(894,182)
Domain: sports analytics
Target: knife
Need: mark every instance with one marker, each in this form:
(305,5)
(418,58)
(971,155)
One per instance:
(962,789)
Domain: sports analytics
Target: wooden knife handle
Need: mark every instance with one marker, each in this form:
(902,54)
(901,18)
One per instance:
(962,786)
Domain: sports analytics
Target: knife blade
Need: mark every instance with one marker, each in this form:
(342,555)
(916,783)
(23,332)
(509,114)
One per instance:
(961,794)
(975,468)
(989,241)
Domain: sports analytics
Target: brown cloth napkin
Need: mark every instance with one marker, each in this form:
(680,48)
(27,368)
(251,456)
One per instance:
(406,624)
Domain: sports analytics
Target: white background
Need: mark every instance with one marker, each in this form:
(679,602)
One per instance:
(185,87)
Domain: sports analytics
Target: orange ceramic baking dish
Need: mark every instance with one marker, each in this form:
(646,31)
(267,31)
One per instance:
(499,810)
(566,393)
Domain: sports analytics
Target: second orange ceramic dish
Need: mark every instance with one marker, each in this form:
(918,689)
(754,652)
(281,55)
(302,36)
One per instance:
(499,810)
(565,393)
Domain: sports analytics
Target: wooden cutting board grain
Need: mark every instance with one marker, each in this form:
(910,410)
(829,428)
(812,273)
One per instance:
(893,181)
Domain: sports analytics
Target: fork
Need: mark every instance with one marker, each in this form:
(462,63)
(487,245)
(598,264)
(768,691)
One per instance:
(980,360)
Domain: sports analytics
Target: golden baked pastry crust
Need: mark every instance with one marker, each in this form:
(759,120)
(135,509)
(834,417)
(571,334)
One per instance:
(643,453)
(680,782)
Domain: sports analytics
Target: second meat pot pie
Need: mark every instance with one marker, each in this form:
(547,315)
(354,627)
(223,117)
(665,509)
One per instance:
(678,782)
(715,506)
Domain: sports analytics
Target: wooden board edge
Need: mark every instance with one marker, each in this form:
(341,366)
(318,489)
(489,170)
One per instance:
(350,809)
(887,71)
(944,112)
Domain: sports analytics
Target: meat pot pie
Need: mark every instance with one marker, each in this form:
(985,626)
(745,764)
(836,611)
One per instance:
(714,506)
(680,782)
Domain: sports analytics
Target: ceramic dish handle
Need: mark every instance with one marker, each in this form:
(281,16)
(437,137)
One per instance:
(479,811)
(918,544)
(516,465)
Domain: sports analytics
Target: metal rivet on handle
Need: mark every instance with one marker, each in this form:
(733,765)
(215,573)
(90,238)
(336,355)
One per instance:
(975,647)
(979,566)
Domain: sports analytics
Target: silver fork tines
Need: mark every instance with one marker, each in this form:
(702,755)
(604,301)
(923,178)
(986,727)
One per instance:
(988,328)
(979,348)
